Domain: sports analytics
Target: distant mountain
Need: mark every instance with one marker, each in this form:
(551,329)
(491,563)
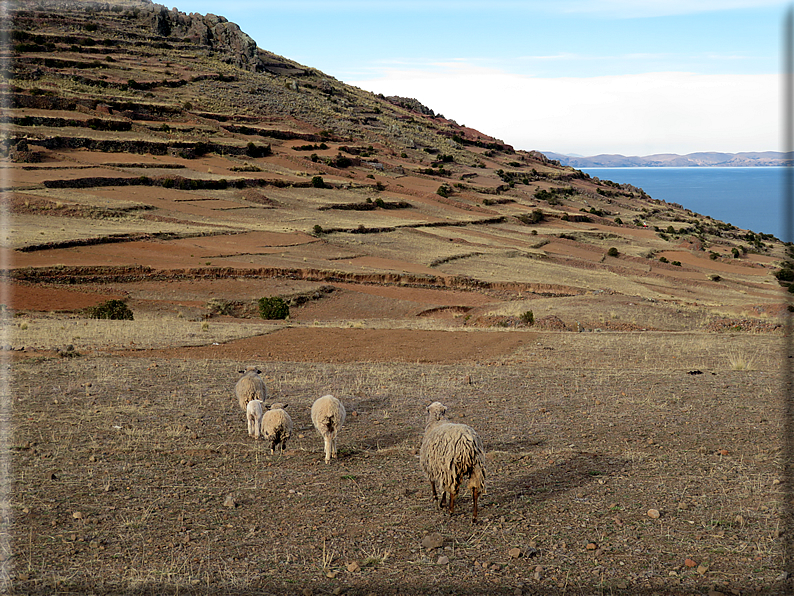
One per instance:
(704,159)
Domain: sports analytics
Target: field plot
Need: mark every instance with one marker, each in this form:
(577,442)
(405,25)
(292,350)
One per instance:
(610,470)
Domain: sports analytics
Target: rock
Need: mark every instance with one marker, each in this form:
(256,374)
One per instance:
(77,515)
(514,553)
(690,563)
(443,560)
(653,513)
(434,540)
(353,567)
(230,502)
(702,569)
(306,592)
(591,546)
(538,574)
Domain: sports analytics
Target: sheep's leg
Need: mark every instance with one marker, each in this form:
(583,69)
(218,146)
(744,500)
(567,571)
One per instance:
(433,487)
(327,449)
(451,503)
(474,498)
(443,499)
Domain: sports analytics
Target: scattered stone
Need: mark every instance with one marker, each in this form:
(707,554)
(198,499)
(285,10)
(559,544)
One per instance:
(538,574)
(77,515)
(591,546)
(443,560)
(515,553)
(306,592)
(702,569)
(337,591)
(653,513)
(434,540)
(690,563)
(353,567)
(331,574)
(722,452)
(230,502)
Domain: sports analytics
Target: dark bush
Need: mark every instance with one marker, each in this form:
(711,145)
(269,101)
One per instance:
(528,318)
(318,182)
(273,307)
(613,252)
(112,309)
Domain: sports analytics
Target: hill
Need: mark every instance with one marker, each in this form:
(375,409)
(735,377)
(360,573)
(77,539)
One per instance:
(160,144)
(746,159)
(616,353)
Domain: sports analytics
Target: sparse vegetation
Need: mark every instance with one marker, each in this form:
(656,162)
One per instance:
(273,308)
(116,310)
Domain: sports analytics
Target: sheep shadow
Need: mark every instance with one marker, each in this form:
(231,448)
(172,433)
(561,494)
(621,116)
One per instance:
(562,476)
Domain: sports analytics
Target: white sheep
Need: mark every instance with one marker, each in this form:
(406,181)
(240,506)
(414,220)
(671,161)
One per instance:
(450,452)
(277,426)
(253,415)
(250,386)
(328,416)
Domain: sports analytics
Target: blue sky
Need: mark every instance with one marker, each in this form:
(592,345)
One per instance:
(634,77)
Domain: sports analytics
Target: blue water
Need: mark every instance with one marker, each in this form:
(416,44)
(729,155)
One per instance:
(749,198)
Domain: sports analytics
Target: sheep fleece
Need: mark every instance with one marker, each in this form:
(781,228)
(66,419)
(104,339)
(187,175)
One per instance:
(449,452)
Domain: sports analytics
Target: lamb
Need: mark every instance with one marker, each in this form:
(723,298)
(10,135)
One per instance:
(250,386)
(328,416)
(253,414)
(449,452)
(277,426)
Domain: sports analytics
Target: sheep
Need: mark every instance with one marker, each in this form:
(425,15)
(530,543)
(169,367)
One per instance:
(277,426)
(250,386)
(253,414)
(328,416)
(449,452)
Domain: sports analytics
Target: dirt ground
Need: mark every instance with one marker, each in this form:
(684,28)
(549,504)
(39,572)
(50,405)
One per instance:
(611,470)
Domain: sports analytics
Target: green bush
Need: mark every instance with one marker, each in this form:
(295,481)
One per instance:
(613,252)
(273,307)
(112,309)
(318,229)
(528,318)
(318,182)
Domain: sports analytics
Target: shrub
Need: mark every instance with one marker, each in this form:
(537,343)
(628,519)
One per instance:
(112,309)
(618,221)
(784,274)
(318,182)
(443,191)
(273,307)
(663,260)
(613,252)
(318,229)
(528,318)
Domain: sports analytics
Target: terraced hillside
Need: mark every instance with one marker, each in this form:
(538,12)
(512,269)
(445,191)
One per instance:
(147,138)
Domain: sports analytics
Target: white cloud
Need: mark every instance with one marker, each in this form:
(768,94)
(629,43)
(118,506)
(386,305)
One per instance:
(639,114)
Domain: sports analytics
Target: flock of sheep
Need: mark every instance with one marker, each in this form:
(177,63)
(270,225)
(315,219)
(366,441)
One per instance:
(450,452)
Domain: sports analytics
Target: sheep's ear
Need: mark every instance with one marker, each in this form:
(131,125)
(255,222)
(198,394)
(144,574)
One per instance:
(241,371)
(284,406)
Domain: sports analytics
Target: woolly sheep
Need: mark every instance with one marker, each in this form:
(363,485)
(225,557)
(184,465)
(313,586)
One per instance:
(450,452)
(277,426)
(253,415)
(328,416)
(250,386)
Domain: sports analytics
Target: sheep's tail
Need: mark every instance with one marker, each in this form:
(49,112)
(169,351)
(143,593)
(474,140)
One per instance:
(328,424)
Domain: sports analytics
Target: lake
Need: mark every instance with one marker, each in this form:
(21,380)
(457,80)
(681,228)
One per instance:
(749,198)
